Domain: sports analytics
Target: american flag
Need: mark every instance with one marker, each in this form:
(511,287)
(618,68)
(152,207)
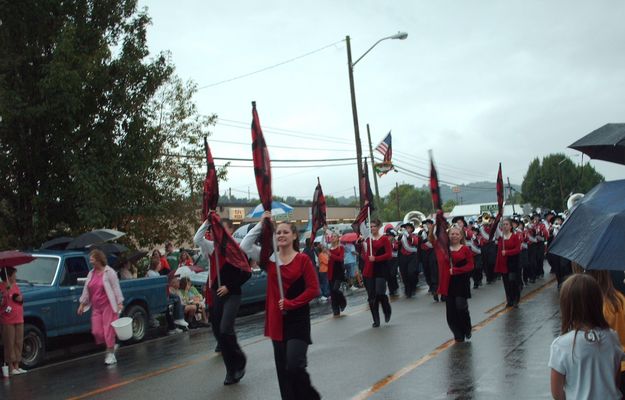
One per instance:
(385,148)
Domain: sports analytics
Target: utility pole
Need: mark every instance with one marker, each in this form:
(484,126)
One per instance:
(355,195)
(375,176)
(510,195)
(397,198)
(350,68)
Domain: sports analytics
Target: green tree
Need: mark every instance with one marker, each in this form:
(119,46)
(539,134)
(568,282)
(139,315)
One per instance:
(410,199)
(549,184)
(449,205)
(86,123)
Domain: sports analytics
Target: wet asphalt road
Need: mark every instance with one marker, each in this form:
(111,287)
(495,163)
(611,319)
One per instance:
(412,357)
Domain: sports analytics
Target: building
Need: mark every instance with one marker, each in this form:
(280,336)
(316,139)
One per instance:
(474,210)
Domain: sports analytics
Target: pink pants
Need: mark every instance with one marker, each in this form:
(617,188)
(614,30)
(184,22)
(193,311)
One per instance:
(101,327)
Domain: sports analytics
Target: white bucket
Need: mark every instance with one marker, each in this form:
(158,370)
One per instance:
(123,328)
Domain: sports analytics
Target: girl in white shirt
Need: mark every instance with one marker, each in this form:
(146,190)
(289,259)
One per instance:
(585,359)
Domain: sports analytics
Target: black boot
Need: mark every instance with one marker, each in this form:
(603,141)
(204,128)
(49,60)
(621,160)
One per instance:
(386,308)
(375,313)
(234,358)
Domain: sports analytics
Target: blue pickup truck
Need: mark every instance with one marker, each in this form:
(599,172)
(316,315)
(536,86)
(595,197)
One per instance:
(52,285)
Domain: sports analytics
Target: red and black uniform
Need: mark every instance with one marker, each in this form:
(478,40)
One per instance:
(375,274)
(408,263)
(508,266)
(489,252)
(474,243)
(336,276)
(542,235)
(457,286)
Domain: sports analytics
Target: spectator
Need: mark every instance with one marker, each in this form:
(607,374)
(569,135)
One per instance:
(350,261)
(185,260)
(155,268)
(193,302)
(127,271)
(165,268)
(103,295)
(175,319)
(11,319)
(324,259)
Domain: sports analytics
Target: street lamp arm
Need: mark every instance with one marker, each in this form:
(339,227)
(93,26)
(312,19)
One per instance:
(398,35)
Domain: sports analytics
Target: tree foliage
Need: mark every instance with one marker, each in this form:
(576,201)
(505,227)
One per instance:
(409,198)
(549,183)
(87,121)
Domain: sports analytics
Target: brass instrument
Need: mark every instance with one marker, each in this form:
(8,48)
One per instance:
(486,218)
(416,217)
(573,200)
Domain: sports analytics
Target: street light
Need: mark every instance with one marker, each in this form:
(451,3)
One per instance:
(350,67)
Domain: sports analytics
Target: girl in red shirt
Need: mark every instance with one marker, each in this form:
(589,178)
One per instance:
(287,320)
(457,285)
(336,275)
(11,319)
(507,264)
(376,272)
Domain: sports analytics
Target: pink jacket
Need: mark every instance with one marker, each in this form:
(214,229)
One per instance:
(111,287)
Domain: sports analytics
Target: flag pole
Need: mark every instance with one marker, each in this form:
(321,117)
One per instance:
(370,234)
(216,251)
(278,265)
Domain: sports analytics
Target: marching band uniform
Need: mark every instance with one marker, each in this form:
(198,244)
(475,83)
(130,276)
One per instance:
(427,258)
(375,274)
(408,267)
(393,285)
(336,276)
(508,266)
(489,252)
(474,244)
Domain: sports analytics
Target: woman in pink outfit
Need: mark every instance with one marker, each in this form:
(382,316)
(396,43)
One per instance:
(11,319)
(104,296)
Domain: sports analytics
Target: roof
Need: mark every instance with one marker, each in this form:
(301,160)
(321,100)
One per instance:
(468,210)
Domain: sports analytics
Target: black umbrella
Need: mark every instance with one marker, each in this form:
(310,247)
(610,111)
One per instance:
(594,234)
(94,237)
(58,243)
(606,143)
(131,257)
(111,248)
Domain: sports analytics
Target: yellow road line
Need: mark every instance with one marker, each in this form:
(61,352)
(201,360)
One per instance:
(382,383)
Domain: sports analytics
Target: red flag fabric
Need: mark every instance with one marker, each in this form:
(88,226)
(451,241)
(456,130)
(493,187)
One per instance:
(495,224)
(211,187)
(318,211)
(441,244)
(262,172)
(368,206)
(227,249)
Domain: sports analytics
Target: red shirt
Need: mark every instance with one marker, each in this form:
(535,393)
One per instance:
(512,247)
(413,241)
(336,255)
(299,268)
(382,243)
(460,266)
(16,316)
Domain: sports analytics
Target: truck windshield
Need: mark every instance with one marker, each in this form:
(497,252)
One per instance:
(40,271)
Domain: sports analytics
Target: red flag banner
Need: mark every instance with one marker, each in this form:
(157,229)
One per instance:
(318,211)
(368,206)
(262,172)
(211,187)
(495,224)
(441,245)
(228,251)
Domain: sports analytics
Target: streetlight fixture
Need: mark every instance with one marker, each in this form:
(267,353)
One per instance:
(350,68)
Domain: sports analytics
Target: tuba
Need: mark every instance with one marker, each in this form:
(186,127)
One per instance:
(416,217)
(486,218)
(573,200)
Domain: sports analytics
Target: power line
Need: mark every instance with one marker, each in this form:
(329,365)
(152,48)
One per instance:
(271,66)
(249,159)
(280,147)
(289,166)
(300,136)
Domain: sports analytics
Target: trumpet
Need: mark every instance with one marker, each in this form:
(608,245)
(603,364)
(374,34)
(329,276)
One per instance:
(486,218)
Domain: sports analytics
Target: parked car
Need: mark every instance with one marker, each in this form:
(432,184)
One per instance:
(52,285)
(252,291)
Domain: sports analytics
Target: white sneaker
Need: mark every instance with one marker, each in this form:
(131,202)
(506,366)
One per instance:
(110,359)
(22,371)
(323,299)
(16,372)
(353,288)
(174,331)
(182,323)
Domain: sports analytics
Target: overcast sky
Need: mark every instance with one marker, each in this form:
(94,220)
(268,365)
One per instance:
(477,82)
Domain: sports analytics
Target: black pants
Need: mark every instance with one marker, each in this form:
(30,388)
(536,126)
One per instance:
(524,264)
(376,295)
(430,269)
(393,285)
(458,317)
(409,273)
(477,270)
(176,313)
(540,259)
(532,250)
(337,298)
(512,287)
(294,381)
(222,314)
(560,266)
(489,257)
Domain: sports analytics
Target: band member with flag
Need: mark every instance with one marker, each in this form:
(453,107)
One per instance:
(287,319)
(227,274)
(408,267)
(377,251)
(508,257)
(336,274)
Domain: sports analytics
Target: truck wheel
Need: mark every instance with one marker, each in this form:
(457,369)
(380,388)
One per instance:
(34,350)
(139,322)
